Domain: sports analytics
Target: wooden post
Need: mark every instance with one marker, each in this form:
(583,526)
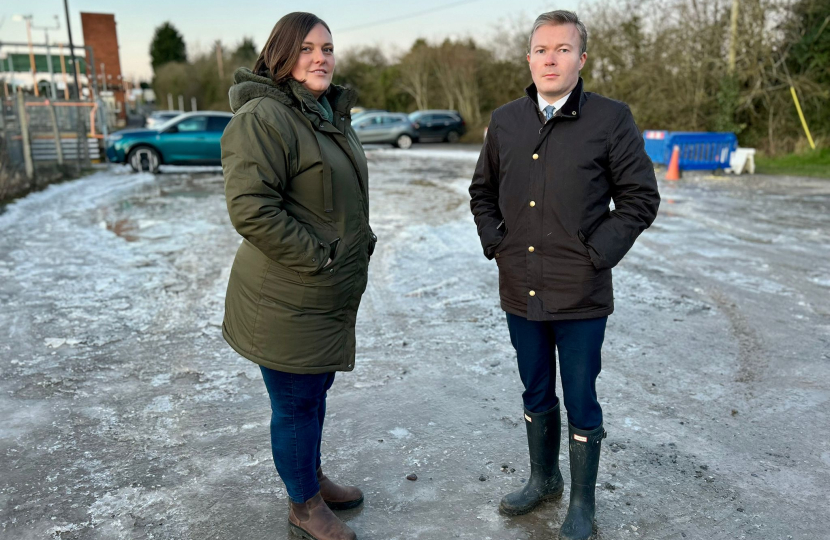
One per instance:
(31,53)
(56,132)
(24,132)
(77,75)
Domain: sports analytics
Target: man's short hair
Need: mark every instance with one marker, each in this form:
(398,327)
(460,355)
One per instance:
(558,17)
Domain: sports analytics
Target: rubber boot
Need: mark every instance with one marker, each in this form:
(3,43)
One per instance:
(543,433)
(313,520)
(338,497)
(584,447)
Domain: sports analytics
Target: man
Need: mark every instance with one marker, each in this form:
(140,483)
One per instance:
(551,164)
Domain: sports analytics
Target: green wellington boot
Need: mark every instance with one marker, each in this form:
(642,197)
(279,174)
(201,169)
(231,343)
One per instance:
(584,447)
(543,433)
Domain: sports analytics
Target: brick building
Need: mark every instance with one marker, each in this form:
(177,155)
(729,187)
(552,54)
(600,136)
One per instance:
(100,34)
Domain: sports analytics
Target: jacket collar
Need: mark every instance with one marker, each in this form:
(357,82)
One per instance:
(572,108)
(248,85)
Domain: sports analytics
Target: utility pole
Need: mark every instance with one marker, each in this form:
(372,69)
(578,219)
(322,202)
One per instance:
(49,54)
(72,48)
(733,36)
(219,60)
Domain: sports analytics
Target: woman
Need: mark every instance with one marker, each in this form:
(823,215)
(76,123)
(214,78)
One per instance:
(296,189)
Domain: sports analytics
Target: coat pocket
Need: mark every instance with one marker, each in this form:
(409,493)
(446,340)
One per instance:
(497,249)
(585,249)
(329,271)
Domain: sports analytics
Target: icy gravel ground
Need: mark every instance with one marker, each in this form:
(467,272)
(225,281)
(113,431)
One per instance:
(123,414)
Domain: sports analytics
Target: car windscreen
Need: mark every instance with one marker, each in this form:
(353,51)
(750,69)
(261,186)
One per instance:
(167,123)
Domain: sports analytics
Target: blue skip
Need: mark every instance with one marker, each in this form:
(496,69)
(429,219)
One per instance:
(698,150)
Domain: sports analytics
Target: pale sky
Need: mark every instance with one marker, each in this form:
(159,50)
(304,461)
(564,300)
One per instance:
(201,22)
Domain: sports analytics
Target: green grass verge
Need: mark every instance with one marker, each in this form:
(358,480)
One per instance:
(815,163)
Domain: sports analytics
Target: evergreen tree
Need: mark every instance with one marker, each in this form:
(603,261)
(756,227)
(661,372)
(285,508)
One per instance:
(167,46)
(246,49)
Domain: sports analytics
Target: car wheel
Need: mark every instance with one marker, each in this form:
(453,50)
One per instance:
(453,137)
(404,142)
(144,158)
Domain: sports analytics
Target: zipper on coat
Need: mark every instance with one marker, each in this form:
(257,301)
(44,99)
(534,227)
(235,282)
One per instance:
(328,188)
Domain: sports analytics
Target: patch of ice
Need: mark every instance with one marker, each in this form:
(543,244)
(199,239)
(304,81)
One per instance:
(465,155)
(159,404)
(400,433)
(368,384)
(54,343)
(630,422)
(160,379)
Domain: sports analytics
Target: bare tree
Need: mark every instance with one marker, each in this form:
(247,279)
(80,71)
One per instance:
(456,68)
(415,72)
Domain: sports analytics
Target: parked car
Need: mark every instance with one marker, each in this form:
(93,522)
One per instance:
(363,112)
(157,118)
(385,128)
(188,139)
(438,125)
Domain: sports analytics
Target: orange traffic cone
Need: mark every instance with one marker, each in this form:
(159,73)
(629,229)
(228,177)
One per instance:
(674,165)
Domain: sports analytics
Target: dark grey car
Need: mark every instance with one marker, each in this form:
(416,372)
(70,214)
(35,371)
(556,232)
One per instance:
(439,125)
(385,128)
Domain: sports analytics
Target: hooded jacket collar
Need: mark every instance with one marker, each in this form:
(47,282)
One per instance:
(247,85)
(571,109)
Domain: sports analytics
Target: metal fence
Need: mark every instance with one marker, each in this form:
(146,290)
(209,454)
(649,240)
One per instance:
(42,140)
(698,150)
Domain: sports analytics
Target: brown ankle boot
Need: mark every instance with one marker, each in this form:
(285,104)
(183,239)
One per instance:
(313,520)
(336,496)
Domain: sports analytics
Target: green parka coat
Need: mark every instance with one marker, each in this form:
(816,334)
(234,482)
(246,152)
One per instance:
(297,191)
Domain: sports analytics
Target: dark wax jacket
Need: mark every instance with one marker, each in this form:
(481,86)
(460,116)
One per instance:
(541,195)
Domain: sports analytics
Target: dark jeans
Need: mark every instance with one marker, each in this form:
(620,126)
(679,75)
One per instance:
(298,408)
(579,344)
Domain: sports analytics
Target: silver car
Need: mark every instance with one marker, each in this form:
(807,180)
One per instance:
(385,128)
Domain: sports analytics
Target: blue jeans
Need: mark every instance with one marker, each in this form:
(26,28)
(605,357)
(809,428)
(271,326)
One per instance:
(298,408)
(579,344)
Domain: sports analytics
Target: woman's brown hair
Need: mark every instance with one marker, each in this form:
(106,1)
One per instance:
(282,50)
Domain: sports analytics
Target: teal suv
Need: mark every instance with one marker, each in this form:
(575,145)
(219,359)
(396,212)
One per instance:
(188,139)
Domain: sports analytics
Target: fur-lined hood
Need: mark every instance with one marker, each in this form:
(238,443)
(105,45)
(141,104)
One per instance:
(247,85)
